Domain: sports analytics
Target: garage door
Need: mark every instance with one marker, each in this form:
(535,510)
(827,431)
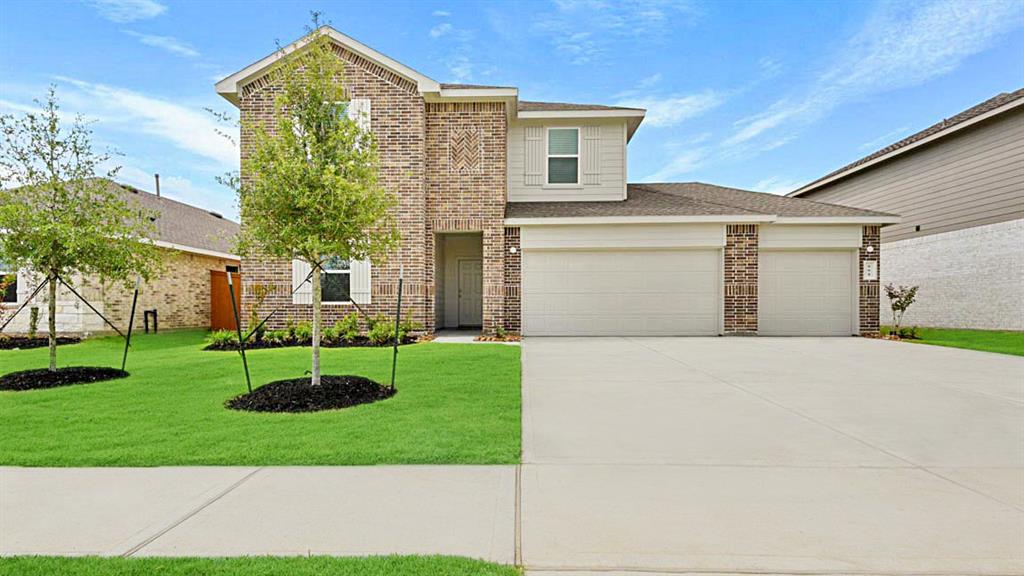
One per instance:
(806,293)
(620,292)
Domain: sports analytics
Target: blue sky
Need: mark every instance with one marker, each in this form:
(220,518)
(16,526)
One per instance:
(759,95)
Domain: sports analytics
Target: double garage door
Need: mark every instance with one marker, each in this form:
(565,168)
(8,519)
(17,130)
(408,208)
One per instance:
(679,292)
(621,292)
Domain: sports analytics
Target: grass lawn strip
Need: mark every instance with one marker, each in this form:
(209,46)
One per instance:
(456,404)
(1001,342)
(253,566)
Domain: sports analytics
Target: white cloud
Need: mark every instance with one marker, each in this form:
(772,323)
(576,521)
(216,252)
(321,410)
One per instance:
(885,139)
(901,45)
(776,185)
(460,67)
(683,162)
(674,109)
(583,30)
(440,30)
(187,128)
(168,43)
(649,82)
(441,13)
(124,11)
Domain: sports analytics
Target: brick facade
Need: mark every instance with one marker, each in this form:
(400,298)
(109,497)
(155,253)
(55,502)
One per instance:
(869,289)
(513,272)
(740,279)
(445,162)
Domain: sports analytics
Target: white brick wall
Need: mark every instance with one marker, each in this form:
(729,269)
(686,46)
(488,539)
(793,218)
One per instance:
(971,278)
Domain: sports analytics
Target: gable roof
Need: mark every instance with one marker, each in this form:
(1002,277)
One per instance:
(182,226)
(228,87)
(991,107)
(697,199)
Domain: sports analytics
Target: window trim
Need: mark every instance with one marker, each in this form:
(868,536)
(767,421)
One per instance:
(324,272)
(548,156)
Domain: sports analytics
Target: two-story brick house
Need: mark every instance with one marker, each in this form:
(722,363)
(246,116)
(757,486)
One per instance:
(519,214)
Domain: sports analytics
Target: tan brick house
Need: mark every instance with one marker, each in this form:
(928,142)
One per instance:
(519,214)
(195,243)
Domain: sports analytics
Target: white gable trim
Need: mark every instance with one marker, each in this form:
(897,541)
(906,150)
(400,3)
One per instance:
(228,87)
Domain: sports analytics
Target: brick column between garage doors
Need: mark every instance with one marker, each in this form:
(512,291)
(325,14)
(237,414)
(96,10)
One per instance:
(869,289)
(740,279)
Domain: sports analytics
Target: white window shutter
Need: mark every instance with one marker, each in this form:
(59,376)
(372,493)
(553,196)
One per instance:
(360,281)
(359,110)
(534,152)
(303,291)
(591,155)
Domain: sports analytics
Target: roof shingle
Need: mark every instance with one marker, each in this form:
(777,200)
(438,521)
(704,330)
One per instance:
(528,106)
(184,224)
(687,199)
(973,112)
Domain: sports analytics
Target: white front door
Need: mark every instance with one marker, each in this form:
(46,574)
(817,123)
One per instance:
(806,293)
(471,291)
(621,292)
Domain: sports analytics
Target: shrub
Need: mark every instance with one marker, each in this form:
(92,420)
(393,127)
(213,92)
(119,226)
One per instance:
(381,331)
(908,333)
(348,327)
(222,339)
(289,326)
(900,298)
(332,333)
(276,336)
(303,332)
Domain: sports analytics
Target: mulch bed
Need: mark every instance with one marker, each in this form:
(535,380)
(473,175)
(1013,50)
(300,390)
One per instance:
(298,395)
(360,342)
(505,338)
(24,342)
(43,378)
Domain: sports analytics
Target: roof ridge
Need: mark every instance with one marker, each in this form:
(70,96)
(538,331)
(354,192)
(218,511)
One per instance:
(136,189)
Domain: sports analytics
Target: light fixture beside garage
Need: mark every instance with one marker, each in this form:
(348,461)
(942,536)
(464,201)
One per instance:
(513,250)
(870,249)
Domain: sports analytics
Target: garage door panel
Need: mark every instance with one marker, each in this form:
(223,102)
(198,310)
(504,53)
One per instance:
(806,292)
(617,292)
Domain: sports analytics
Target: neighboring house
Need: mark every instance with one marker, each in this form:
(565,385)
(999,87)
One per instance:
(518,214)
(197,248)
(959,186)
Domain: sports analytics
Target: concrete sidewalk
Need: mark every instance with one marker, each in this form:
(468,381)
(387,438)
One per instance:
(228,511)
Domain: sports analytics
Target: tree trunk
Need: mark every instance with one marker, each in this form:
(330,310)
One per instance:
(317,298)
(52,304)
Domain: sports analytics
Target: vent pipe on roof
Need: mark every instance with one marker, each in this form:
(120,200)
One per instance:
(157,176)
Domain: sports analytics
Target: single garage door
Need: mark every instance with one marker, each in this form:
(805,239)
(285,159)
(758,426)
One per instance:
(620,292)
(806,293)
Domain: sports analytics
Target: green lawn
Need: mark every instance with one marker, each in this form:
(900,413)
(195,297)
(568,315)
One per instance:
(984,340)
(253,566)
(456,404)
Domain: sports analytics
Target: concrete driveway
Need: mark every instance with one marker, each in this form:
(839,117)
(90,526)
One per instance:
(790,455)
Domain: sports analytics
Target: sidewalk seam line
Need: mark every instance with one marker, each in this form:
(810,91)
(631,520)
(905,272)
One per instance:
(146,542)
(519,516)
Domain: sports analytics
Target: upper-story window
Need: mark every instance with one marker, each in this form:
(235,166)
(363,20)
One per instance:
(563,156)
(336,280)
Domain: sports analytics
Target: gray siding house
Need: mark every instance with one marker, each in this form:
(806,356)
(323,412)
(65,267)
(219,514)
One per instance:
(959,186)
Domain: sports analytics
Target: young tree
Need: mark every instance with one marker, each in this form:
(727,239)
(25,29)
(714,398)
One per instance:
(900,298)
(57,217)
(309,187)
